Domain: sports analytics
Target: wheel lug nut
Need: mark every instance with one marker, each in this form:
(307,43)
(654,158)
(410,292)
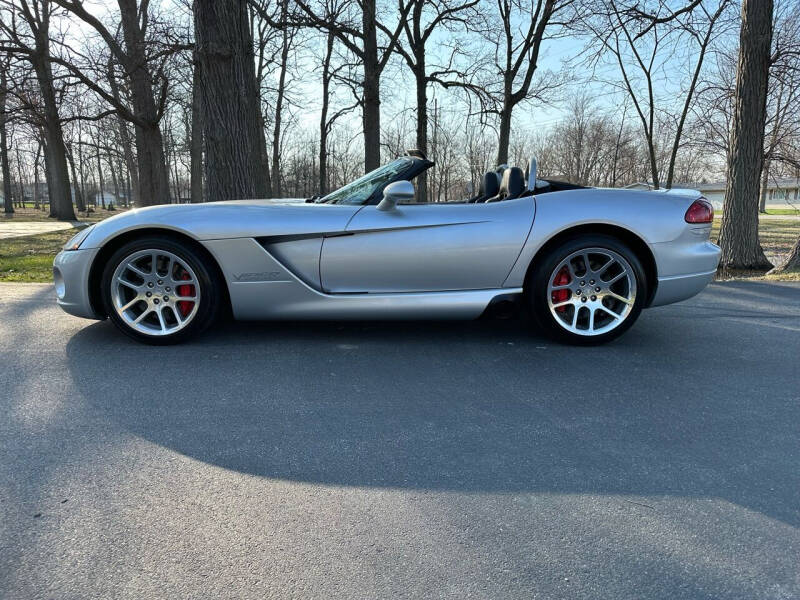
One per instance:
(155,300)
(160,282)
(591,282)
(583,298)
(148,294)
(594,298)
(169,289)
(583,283)
(597,289)
(149,284)
(166,298)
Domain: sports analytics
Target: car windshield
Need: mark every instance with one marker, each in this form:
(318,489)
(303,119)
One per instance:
(360,190)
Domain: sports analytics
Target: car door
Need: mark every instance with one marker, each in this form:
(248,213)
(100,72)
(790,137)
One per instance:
(426,247)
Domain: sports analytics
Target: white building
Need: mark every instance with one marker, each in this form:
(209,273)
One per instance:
(781,192)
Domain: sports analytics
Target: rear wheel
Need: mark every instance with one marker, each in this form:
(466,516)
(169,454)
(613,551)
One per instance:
(587,290)
(159,291)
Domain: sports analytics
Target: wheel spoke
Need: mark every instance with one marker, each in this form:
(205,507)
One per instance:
(131,303)
(620,298)
(137,270)
(129,284)
(161,320)
(139,319)
(609,311)
(604,268)
(564,303)
(586,264)
(591,318)
(616,278)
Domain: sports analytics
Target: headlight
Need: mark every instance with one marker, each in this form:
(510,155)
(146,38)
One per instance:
(75,242)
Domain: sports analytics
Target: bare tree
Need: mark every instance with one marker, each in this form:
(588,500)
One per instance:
(35,46)
(739,234)
(8,205)
(357,30)
(426,17)
(147,106)
(516,55)
(640,39)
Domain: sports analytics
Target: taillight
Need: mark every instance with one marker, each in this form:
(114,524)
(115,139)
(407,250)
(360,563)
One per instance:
(700,211)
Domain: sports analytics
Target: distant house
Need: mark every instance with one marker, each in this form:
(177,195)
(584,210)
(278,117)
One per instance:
(781,192)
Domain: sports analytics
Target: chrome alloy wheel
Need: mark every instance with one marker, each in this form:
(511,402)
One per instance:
(592,291)
(155,292)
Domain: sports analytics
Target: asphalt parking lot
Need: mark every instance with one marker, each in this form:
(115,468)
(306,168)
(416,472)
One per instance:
(393,460)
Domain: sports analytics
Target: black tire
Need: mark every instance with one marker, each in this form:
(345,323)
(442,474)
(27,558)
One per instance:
(211,296)
(536,289)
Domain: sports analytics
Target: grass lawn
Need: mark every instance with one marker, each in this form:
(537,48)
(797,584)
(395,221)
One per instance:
(783,211)
(31,214)
(777,238)
(31,258)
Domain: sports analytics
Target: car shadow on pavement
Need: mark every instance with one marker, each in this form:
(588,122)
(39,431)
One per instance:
(670,409)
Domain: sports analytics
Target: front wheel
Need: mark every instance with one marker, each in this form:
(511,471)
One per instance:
(159,291)
(587,290)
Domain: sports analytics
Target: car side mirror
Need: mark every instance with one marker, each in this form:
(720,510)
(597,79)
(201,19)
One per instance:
(395,193)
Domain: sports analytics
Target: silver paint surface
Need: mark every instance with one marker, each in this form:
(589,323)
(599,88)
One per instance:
(285,259)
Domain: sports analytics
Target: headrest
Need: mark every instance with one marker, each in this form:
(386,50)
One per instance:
(513,182)
(490,184)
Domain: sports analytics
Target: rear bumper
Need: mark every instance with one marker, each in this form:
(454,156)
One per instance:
(71,277)
(681,287)
(685,266)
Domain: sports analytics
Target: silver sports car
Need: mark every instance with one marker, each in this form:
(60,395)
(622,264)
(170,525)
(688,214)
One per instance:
(584,261)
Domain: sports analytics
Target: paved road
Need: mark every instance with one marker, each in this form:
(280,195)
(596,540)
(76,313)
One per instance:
(10,229)
(404,460)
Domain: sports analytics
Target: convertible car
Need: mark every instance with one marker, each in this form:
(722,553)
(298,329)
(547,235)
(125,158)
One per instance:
(583,261)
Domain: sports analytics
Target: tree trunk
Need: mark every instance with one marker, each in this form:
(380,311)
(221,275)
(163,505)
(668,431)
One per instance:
(8,205)
(739,235)
(262,144)
(56,155)
(100,179)
(323,119)
(371,109)
(505,134)
(81,205)
(231,106)
(196,143)
(153,179)
(422,121)
(793,262)
(276,132)
(114,180)
(127,146)
(762,203)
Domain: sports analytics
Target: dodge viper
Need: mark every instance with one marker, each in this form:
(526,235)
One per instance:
(583,261)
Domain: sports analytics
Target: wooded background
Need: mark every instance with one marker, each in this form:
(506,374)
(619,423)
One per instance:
(189,101)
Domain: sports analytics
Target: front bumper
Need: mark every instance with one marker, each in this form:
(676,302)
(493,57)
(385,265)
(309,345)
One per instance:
(71,277)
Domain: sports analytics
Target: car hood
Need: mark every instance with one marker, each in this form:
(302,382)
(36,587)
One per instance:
(228,219)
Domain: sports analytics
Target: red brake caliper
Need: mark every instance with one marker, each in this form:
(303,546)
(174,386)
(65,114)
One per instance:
(562,278)
(185,306)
